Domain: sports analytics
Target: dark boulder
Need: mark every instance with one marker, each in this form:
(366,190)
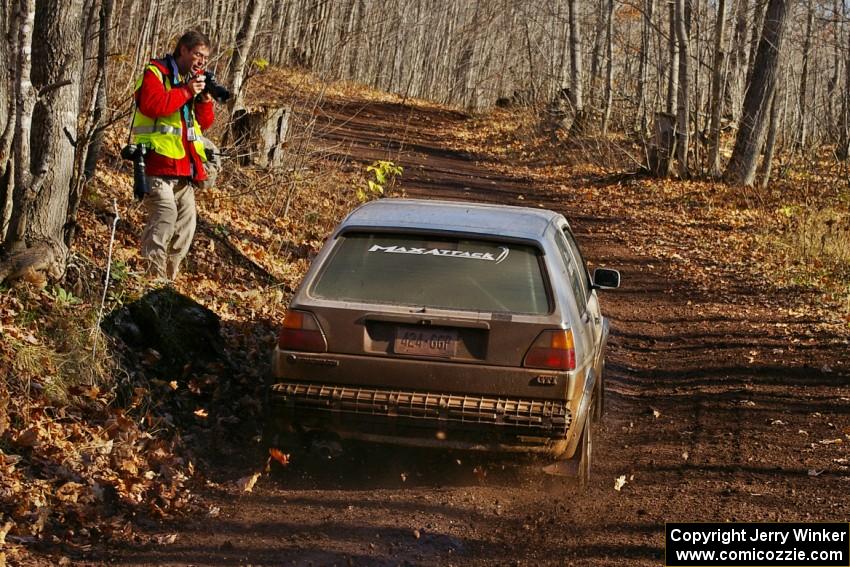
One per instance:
(181,331)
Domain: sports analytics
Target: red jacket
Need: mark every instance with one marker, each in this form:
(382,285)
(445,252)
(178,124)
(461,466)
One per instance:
(154,101)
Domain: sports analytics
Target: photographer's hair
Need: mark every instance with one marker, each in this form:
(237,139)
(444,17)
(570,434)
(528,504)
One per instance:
(191,39)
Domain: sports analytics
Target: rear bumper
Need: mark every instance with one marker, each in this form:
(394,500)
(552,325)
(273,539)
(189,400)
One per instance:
(423,419)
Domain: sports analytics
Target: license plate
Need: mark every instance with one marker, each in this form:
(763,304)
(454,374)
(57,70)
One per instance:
(425,342)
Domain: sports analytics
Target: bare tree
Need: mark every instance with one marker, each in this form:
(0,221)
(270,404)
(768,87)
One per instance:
(750,138)
(643,65)
(242,49)
(609,66)
(683,107)
(770,145)
(843,150)
(90,141)
(717,91)
(673,68)
(755,34)
(102,82)
(9,52)
(803,99)
(576,89)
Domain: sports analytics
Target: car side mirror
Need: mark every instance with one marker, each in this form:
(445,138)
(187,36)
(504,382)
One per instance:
(603,278)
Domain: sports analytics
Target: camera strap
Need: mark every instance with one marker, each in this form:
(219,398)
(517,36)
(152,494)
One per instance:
(186,110)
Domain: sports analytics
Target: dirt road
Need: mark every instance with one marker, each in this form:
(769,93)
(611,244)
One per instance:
(720,406)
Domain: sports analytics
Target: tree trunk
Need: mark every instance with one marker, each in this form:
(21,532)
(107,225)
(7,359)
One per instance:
(147,23)
(244,41)
(717,95)
(104,42)
(463,69)
(664,145)
(609,67)
(754,122)
(47,110)
(800,142)
(755,34)
(738,64)
(843,150)
(684,102)
(25,187)
(7,134)
(576,93)
(90,143)
(832,83)
(673,76)
(770,145)
(646,31)
(4,64)
(595,56)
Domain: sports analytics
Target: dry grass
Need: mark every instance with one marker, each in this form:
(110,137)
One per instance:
(819,239)
(52,348)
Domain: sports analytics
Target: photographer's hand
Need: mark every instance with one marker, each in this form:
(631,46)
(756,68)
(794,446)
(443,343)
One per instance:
(197,84)
(205,97)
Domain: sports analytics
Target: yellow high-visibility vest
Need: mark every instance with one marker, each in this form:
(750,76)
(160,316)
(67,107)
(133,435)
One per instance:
(164,135)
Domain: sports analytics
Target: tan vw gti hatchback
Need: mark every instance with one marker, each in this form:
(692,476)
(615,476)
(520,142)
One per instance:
(446,324)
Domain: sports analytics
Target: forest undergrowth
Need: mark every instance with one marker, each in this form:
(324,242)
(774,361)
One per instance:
(96,440)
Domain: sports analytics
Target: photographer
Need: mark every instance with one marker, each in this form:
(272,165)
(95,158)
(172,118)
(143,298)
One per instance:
(173,108)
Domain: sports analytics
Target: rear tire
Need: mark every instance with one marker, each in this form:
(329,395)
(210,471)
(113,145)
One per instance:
(577,467)
(584,451)
(583,457)
(599,394)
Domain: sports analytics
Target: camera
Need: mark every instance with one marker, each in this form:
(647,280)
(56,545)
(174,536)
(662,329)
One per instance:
(136,154)
(218,92)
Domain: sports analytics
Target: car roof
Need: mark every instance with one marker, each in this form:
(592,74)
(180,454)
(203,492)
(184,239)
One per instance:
(451,216)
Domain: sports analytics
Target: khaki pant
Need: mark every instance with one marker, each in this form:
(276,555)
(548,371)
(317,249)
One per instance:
(170,204)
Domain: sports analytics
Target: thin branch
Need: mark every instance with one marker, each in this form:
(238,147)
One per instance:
(53,86)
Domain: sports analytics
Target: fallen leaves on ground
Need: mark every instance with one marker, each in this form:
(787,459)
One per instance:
(619,482)
(279,456)
(246,483)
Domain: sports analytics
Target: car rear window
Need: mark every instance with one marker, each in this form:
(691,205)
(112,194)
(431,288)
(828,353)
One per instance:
(440,272)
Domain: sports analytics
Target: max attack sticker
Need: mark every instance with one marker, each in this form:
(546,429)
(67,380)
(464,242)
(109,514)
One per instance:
(486,256)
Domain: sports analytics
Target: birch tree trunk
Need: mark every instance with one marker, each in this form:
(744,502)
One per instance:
(241,51)
(754,121)
(717,95)
(646,31)
(609,67)
(683,106)
(832,83)
(576,94)
(47,109)
(673,76)
(7,134)
(26,184)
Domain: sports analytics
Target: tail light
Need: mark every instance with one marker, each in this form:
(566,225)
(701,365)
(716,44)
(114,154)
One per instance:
(301,332)
(553,350)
